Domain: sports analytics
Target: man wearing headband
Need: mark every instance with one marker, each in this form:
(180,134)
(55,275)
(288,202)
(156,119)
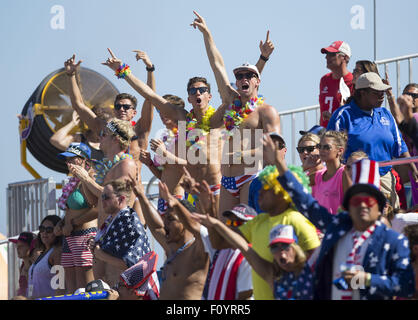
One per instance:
(360,258)
(241,108)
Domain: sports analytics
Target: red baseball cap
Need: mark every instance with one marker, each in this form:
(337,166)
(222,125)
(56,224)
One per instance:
(338,46)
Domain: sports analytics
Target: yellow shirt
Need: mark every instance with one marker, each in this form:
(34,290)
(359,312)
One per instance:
(257,232)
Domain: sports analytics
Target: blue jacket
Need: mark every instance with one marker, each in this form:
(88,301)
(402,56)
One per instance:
(387,257)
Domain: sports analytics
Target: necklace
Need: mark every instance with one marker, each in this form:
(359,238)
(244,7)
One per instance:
(179,250)
(197,137)
(103,167)
(67,190)
(237,113)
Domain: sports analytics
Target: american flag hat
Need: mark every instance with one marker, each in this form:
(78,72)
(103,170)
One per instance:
(242,211)
(136,277)
(366,178)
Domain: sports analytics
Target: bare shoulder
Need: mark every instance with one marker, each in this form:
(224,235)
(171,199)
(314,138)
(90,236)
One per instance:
(267,109)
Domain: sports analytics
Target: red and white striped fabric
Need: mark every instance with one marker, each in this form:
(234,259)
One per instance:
(233,184)
(80,254)
(366,172)
(354,257)
(223,279)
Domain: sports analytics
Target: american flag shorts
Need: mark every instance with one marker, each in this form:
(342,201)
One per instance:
(234,184)
(75,250)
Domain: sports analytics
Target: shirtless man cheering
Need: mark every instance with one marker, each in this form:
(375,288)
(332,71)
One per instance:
(249,111)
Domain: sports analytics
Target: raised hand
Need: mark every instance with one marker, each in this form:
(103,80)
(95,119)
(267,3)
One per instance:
(79,172)
(189,184)
(311,161)
(205,219)
(76,118)
(158,146)
(145,158)
(272,152)
(70,65)
(142,55)
(112,62)
(166,195)
(200,23)
(137,188)
(267,47)
(207,202)
(406,105)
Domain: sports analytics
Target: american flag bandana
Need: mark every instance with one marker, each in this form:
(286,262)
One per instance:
(126,238)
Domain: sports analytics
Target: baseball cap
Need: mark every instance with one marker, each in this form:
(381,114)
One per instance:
(371,80)
(277,135)
(26,237)
(97,285)
(242,211)
(316,129)
(76,149)
(338,46)
(247,67)
(283,234)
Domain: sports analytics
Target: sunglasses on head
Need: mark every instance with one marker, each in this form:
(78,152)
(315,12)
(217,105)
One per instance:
(355,201)
(279,247)
(413,95)
(248,76)
(234,223)
(324,147)
(308,149)
(46,229)
(125,107)
(201,90)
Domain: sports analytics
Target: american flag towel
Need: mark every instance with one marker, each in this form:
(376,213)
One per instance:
(126,238)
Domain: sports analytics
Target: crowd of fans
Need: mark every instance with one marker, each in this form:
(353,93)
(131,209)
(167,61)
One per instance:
(342,226)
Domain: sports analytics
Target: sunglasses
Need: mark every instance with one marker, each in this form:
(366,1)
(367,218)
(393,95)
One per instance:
(248,76)
(201,90)
(279,247)
(357,200)
(105,196)
(413,95)
(125,107)
(308,149)
(324,147)
(46,229)
(234,223)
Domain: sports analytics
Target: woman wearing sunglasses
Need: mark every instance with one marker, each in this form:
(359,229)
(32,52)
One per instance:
(289,275)
(331,182)
(309,155)
(40,276)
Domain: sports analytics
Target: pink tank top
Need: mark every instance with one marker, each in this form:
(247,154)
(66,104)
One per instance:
(329,193)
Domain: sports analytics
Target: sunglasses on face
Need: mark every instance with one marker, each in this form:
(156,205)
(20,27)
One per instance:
(46,229)
(308,149)
(125,107)
(358,200)
(279,247)
(413,95)
(248,76)
(324,147)
(234,223)
(201,90)
(105,196)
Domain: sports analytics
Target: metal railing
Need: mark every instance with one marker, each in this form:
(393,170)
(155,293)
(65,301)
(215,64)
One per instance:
(306,117)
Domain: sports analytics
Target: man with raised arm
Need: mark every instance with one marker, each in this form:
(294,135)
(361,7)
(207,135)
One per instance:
(241,109)
(124,106)
(185,269)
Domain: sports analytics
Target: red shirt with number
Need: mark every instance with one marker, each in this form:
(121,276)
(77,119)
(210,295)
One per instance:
(330,95)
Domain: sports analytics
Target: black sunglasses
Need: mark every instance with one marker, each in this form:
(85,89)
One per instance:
(105,196)
(308,149)
(201,90)
(324,147)
(248,76)
(46,229)
(413,95)
(125,107)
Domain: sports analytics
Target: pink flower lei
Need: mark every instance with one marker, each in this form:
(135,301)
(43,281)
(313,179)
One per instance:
(67,190)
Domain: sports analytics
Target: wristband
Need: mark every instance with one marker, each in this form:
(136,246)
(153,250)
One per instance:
(263,58)
(123,71)
(150,69)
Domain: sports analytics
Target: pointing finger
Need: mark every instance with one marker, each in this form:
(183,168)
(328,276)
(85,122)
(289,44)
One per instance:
(111,53)
(268,35)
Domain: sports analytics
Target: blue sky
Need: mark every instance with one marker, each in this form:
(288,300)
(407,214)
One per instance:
(299,29)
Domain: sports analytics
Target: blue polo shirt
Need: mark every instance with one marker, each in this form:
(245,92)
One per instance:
(376,134)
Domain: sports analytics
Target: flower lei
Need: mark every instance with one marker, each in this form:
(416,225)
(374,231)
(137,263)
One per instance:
(236,113)
(196,138)
(67,190)
(102,167)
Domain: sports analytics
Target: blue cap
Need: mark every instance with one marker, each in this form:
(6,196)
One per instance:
(318,130)
(76,149)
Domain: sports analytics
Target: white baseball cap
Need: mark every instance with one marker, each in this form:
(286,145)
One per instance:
(248,67)
(338,46)
(283,234)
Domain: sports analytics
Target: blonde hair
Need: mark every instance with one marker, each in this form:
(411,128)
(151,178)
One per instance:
(309,137)
(300,261)
(121,187)
(122,130)
(339,138)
